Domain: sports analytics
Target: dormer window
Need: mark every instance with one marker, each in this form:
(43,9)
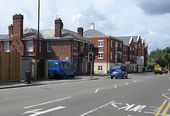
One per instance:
(29,46)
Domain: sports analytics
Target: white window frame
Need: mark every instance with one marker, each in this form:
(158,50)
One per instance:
(29,46)
(111,55)
(100,55)
(100,68)
(6,46)
(49,48)
(100,43)
(111,43)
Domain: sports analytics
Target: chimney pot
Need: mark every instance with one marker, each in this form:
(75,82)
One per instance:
(80,31)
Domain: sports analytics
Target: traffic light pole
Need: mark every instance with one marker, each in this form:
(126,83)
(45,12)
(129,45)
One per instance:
(91,70)
(90,59)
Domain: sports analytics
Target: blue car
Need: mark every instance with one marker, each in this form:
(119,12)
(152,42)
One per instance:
(113,68)
(118,73)
(59,69)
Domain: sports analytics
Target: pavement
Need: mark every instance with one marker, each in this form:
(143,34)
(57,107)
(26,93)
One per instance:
(16,84)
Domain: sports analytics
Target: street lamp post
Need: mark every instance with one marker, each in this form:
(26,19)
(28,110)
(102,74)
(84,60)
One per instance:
(38,29)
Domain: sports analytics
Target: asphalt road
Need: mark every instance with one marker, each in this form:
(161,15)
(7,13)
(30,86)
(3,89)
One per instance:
(140,95)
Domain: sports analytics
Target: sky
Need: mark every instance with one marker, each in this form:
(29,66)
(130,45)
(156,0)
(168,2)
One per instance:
(148,18)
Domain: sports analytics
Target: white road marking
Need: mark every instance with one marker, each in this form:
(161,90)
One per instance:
(115,86)
(97,90)
(36,113)
(32,111)
(165,95)
(127,83)
(84,114)
(135,81)
(46,102)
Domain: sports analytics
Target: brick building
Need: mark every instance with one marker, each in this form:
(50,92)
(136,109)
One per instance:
(57,43)
(128,50)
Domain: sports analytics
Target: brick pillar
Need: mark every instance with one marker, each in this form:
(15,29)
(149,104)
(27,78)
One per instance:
(10,31)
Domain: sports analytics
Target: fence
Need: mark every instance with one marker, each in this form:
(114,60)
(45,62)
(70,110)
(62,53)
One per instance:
(10,66)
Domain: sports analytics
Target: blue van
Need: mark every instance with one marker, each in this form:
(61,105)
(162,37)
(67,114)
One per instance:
(59,69)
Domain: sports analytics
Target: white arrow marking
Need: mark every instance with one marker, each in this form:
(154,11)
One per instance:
(46,102)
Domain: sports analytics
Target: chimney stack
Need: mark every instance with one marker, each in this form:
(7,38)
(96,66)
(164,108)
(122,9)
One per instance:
(58,27)
(80,31)
(10,29)
(18,26)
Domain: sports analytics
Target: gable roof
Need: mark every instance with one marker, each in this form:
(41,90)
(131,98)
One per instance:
(126,39)
(92,33)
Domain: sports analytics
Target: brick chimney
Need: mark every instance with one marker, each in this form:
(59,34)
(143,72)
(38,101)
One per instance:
(58,27)
(18,26)
(80,31)
(16,30)
(10,29)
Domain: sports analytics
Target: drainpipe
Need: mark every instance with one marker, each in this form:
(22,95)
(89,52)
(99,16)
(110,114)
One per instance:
(107,54)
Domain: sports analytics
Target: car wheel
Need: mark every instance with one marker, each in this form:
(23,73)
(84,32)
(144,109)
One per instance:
(111,77)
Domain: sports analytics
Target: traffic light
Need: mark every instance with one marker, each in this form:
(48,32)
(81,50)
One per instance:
(90,57)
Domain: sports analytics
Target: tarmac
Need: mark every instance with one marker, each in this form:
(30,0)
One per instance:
(16,84)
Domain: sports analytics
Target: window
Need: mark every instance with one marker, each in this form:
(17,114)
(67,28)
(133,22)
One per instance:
(100,67)
(100,55)
(29,46)
(111,55)
(100,43)
(49,49)
(111,43)
(6,47)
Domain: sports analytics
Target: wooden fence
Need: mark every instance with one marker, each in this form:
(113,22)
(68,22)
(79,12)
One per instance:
(10,66)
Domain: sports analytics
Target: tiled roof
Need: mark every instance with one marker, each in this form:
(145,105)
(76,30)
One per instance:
(125,39)
(31,33)
(66,34)
(92,33)
(4,37)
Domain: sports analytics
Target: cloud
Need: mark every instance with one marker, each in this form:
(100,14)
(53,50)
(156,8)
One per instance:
(148,18)
(153,7)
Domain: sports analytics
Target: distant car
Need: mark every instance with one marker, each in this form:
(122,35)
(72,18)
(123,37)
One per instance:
(118,73)
(122,68)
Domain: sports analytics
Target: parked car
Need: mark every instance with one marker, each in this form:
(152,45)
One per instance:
(118,73)
(123,68)
(58,69)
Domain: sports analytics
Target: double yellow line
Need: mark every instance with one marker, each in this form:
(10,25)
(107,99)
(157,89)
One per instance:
(162,106)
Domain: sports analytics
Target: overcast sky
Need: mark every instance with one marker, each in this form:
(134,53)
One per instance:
(148,18)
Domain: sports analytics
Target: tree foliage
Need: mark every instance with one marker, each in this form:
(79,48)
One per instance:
(161,57)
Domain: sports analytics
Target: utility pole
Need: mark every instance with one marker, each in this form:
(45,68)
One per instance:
(38,29)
